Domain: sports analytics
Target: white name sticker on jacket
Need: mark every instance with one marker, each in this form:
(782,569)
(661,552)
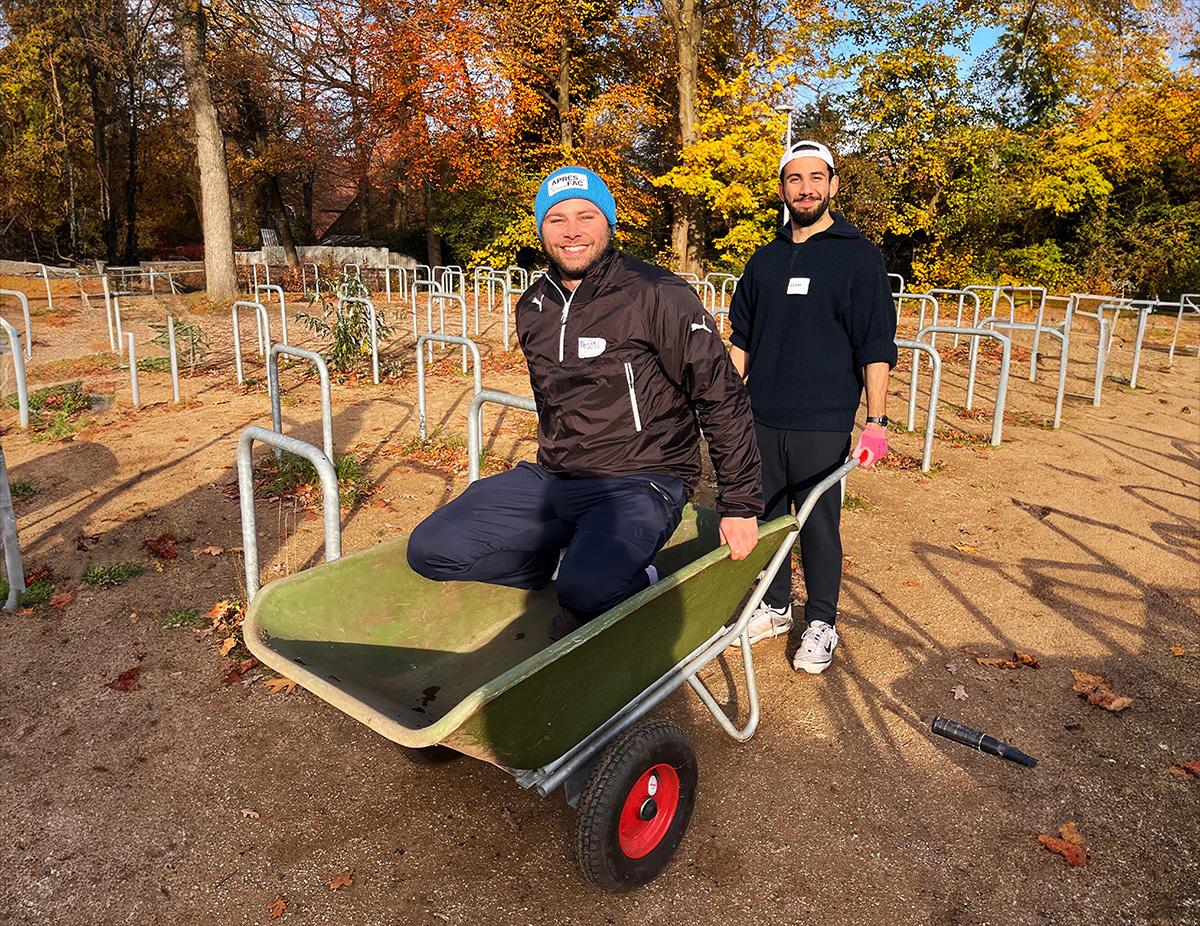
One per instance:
(591,347)
(566,182)
(798,286)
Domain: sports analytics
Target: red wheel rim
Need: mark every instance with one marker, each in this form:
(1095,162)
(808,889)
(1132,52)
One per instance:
(656,795)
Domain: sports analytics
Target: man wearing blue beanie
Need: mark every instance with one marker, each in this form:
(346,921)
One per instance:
(626,367)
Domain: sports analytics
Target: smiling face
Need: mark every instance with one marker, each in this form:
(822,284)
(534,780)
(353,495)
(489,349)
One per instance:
(574,234)
(806,188)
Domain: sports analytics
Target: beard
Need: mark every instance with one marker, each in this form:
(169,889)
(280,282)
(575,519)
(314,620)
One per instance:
(577,268)
(804,219)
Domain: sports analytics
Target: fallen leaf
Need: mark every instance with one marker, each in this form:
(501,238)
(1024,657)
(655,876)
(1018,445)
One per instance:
(513,821)
(960,693)
(217,611)
(158,567)
(1071,853)
(913,584)
(1177,650)
(952,668)
(25,612)
(1108,700)
(1177,772)
(246,665)
(971,651)
(228,645)
(963,548)
(36,575)
(1191,768)
(250,814)
(1186,410)
(993,663)
(212,551)
(1067,832)
(163,546)
(276,907)
(126,681)
(1086,683)
(1026,660)
(86,541)
(345,879)
(280,684)
(61,601)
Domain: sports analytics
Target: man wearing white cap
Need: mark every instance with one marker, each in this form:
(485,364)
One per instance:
(813,325)
(626,366)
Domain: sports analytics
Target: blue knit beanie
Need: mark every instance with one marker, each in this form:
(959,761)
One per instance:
(574,183)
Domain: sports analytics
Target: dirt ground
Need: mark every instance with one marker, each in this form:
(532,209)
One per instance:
(192,794)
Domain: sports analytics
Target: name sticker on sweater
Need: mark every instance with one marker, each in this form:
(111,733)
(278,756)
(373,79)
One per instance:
(591,347)
(798,286)
(566,182)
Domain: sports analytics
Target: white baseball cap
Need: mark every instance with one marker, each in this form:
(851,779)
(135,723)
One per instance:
(806,149)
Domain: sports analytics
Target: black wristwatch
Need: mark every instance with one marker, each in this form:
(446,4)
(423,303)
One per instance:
(881,420)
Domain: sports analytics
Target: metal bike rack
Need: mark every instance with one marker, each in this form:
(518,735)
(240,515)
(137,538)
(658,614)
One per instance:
(720,314)
(1143,308)
(401,278)
(418,281)
(346,272)
(1073,310)
(174,356)
(922,299)
(448,339)
(935,363)
(1002,384)
(475,423)
(133,372)
(962,295)
(899,279)
(1188,302)
(329,491)
(482,271)
(278,290)
(442,298)
(362,300)
(276,400)
(522,276)
(14,343)
(13,567)
(690,277)
(264,323)
(24,300)
(304,277)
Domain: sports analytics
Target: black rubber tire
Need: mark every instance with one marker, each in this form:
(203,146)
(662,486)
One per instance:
(621,764)
(430,755)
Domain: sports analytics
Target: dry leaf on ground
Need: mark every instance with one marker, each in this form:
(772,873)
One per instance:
(993,662)
(1095,688)
(61,601)
(280,684)
(963,548)
(212,551)
(250,814)
(163,546)
(1177,651)
(960,693)
(1068,832)
(126,681)
(913,584)
(1026,660)
(513,821)
(229,644)
(1072,853)
(1189,768)
(276,907)
(345,879)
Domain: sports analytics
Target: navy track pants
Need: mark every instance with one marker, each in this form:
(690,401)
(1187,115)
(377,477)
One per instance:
(793,462)
(509,529)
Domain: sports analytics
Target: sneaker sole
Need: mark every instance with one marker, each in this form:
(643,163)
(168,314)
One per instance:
(811,668)
(737,641)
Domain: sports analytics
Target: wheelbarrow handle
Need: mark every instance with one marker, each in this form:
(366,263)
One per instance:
(821,487)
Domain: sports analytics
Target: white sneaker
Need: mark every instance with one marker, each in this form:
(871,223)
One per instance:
(769,622)
(816,648)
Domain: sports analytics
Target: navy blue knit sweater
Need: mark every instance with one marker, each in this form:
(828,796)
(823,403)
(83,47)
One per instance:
(810,316)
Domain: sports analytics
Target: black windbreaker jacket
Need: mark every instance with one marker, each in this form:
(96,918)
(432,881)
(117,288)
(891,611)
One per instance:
(621,369)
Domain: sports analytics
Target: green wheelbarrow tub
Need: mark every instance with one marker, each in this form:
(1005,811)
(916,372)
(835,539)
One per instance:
(470,666)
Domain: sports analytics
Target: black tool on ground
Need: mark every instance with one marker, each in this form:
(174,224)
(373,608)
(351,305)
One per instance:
(961,733)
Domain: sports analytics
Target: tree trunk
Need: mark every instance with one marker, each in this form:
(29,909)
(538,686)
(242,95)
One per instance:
(70,174)
(283,227)
(100,121)
(564,94)
(215,212)
(131,186)
(686,18)
(433,240)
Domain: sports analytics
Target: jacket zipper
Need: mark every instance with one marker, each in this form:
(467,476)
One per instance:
(637,418)
(562,322)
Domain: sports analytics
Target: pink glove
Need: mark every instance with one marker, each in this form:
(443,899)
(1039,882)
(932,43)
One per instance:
(872,446)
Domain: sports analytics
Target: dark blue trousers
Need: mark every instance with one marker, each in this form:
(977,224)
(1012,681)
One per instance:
(509,529)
